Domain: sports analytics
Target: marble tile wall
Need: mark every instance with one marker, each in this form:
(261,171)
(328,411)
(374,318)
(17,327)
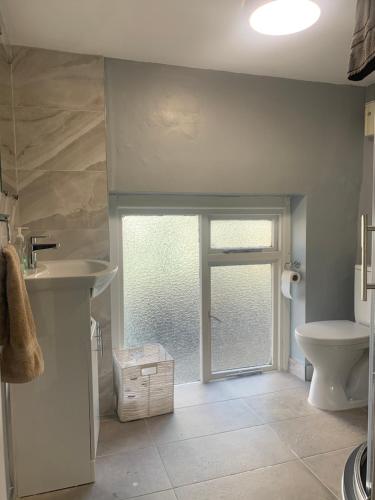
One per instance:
(8,202)
(60,157)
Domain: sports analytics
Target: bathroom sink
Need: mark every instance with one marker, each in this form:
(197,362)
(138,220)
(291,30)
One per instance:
(93,274)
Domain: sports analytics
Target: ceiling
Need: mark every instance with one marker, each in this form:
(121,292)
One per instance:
(212,34)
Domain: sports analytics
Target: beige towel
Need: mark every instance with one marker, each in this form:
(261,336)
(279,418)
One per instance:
(21,359)
(362,52)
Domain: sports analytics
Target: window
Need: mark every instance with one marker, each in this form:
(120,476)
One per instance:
(161,287)
(203,282)
(241,233)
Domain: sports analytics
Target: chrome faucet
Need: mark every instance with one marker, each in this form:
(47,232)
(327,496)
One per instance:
(34,247)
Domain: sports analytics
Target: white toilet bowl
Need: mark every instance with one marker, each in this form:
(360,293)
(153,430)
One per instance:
(339,352)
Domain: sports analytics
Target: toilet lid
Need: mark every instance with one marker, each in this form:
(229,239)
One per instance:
(334,332)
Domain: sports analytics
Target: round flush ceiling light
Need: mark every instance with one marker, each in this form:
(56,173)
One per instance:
(283,17)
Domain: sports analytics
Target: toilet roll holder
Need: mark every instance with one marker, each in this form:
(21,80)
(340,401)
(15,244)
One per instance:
(292,265)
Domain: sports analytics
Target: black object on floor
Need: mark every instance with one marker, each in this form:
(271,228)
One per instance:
(354,476)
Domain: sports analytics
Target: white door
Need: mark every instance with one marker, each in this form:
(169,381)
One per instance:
(367,232)
(241,258)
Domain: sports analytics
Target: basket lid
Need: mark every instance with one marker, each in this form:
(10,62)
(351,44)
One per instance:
(141,355)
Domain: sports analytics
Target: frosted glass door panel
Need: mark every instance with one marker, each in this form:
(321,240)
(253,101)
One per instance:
(241,316)
(161,287)
(241,233)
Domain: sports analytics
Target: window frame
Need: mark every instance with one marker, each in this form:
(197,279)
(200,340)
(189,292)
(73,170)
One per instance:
(208,208)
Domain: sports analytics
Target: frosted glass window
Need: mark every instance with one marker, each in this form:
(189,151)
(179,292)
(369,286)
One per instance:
(241,233)
(241,316)
(161,287)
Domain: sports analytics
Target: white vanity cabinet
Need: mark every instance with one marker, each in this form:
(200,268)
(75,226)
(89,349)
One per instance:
(55,418)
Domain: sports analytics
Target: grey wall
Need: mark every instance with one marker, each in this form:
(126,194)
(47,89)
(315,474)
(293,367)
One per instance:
(365,199)
(180,130)
(298,210)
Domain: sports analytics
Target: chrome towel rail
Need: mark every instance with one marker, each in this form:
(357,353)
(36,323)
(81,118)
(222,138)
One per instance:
(365,229)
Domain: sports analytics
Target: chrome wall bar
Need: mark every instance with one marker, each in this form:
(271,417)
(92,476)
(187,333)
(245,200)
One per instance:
(365,229)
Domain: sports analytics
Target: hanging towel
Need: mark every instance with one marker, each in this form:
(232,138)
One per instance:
(21,357)
(362,55)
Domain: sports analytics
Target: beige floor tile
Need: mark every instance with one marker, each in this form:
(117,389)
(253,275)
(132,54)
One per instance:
(197,393)
(122,476)
(126,475)
(324,432)
(202,420)
(329,468)
(263,383)
(116,437)
(282,405)
(85,492)
(88,493)
(208,457)
(290,481)
(161,495)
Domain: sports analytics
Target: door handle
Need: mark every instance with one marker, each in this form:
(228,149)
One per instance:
(365,229)
(211,316)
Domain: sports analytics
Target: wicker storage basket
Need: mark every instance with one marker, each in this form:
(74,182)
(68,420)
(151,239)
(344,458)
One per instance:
(144,382)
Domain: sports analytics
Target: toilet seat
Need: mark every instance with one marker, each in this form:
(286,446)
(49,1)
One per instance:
(334,333)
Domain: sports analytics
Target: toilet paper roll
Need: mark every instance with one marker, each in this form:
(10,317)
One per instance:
(287,279)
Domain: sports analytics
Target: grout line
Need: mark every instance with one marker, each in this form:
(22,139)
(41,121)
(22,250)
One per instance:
(319,413)
(57,108)
(14,133)
(335,450)
(126,451)
(251,427)
(144,495)
(161,458)
(231,398)
(246,471)
(314,454)
(164,443)
(317,477)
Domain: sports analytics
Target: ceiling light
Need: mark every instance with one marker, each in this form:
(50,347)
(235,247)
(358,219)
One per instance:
(283,17)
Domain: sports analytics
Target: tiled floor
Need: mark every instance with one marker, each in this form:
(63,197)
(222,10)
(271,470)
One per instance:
(253,438)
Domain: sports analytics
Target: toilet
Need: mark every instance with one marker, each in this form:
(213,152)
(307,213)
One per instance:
(339,351)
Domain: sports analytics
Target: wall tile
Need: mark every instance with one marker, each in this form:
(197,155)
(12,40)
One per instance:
(57,139)
(61,165)
(63,200)
(58,79)
(9,181)
(5,79)
(8,205)
(78,244)
(7,138)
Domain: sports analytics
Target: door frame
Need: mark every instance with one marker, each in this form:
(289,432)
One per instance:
(206,206)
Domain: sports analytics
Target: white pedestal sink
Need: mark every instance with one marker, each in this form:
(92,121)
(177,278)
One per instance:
(55,418)
(94,275)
